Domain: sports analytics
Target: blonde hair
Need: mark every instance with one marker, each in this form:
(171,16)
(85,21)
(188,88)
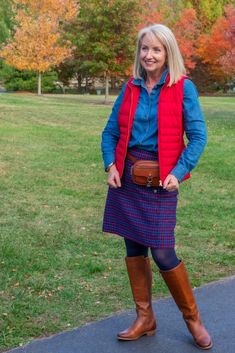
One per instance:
(174,58)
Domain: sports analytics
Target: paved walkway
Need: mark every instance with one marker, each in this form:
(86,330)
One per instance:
(217,305)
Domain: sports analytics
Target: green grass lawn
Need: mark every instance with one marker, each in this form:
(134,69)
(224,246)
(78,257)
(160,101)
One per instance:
(57,269)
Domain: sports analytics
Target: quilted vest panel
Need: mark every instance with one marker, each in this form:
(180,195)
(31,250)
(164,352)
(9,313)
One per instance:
(170,125)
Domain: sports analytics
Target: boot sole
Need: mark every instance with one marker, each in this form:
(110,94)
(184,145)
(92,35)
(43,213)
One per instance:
(204,348)
(148,333)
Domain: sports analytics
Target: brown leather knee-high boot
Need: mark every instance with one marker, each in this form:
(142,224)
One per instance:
(180,288)
(140,276)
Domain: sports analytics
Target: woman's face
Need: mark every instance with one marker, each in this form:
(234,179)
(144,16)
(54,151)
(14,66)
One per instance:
(152,55)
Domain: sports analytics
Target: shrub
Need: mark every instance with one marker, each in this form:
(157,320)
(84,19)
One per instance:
(15,80)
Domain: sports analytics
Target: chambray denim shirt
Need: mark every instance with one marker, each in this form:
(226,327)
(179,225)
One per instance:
(144,134)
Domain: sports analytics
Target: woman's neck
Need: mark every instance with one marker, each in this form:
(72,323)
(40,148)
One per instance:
(153,78)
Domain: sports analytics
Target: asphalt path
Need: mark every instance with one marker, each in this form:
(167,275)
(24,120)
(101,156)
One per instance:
(216,302)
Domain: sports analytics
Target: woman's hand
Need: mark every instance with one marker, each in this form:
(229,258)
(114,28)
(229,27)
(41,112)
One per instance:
(114,178)
(171,183)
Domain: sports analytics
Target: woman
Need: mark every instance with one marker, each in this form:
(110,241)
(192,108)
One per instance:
(148,122)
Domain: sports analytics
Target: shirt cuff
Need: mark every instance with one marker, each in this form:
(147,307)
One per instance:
(179,172)
(108,167)
(108,159)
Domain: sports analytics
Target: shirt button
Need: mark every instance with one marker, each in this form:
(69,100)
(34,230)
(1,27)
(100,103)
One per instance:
(155,191)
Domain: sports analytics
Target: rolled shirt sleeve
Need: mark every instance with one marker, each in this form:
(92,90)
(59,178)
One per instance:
(111,132)
(195,129)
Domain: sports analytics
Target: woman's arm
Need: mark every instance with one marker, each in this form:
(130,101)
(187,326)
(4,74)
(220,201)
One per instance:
(195,129)
(111,132)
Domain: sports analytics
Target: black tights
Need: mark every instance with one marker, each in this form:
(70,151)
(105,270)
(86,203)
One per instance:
(166,259)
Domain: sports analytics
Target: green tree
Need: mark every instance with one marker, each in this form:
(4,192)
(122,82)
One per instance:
(16,80)
(5,20)
(106,41)
(208,11)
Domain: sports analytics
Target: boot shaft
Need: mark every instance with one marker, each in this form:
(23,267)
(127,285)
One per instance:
(178,283)
(140,277)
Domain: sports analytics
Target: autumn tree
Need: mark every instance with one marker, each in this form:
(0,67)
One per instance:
(227,60)
(181,18)
(166,12)
(217,48)
(186,30)
(153,12)
(37,42)
(208,11)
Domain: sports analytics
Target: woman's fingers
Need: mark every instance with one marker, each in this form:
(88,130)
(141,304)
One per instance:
(114,179)
(114,182)
(166,182)
(111,181)
(171,183)
(118,181)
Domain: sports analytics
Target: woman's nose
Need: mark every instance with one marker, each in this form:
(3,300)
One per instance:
(149,53)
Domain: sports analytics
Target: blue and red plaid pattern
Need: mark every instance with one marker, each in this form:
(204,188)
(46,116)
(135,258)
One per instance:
(144,215)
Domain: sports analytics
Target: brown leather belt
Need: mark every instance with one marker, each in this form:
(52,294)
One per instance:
(131,158)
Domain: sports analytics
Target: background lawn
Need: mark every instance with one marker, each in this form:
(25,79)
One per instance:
(57,269)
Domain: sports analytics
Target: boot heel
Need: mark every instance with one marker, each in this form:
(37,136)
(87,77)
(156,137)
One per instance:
(151,333)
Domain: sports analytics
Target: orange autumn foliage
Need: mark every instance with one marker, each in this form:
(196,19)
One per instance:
(186,30)
(184,25)
(218,47)
(227,60)
(58,9)
(152,13)
(37,44)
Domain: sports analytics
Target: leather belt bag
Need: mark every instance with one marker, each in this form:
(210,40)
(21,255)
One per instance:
(144,172)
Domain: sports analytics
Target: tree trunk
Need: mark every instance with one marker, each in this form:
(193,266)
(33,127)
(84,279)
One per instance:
(106,88)
(113,82)
(79,81)
(39,83)
(86,88)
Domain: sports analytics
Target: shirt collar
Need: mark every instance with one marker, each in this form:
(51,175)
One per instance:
(141,81)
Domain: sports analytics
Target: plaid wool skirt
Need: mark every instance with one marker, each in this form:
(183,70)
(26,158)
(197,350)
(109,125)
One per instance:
(144,215)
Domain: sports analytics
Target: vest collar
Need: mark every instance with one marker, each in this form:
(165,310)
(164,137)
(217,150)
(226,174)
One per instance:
(141,81)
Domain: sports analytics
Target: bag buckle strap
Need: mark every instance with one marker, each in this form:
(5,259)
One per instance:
(149,180)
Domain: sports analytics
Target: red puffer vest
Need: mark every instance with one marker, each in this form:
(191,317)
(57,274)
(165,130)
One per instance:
(170,125)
